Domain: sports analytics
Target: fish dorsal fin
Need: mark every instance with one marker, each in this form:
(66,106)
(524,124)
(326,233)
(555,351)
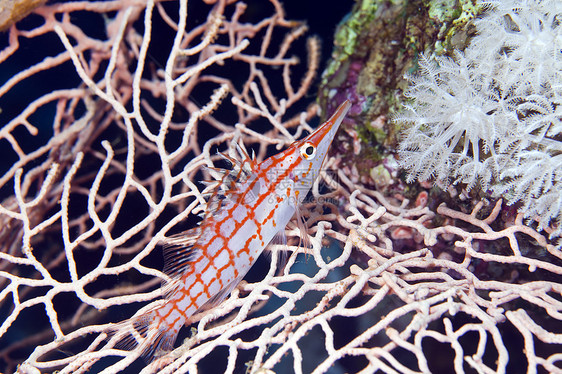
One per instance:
(179,251)
(230,183)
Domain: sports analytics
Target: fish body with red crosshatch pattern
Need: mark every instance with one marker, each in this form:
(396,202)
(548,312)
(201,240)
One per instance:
(250,204)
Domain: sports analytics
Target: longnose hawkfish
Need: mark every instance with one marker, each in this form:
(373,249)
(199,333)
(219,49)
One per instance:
(251,204)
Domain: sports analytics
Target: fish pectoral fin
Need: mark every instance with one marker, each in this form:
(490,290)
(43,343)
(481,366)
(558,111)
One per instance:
(221,295)
(303,228)
(280,243)
(279,239)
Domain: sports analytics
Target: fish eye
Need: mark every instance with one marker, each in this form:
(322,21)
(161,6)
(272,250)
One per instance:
(308,150)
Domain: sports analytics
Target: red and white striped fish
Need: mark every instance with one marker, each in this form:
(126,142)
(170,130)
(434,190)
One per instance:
(251,204)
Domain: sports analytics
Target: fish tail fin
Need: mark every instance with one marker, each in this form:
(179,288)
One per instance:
(148,333)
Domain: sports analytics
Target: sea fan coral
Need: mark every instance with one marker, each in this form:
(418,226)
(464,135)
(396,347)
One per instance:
(491,115)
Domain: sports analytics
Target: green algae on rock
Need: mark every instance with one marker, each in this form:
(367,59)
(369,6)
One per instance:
(375,46)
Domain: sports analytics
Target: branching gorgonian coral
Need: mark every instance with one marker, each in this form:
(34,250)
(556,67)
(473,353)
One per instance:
(491,115)
(104,157)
